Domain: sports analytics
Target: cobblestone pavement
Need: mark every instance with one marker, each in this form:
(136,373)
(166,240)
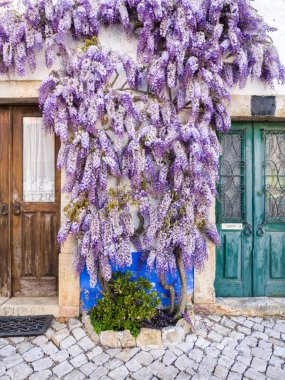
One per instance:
(222,348)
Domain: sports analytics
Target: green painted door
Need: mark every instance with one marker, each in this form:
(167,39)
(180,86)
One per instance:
(251,212)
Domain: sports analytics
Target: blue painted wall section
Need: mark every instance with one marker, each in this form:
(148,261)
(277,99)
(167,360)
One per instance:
(89,296)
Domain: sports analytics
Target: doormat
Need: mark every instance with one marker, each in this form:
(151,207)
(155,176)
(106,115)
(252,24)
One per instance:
(24,326)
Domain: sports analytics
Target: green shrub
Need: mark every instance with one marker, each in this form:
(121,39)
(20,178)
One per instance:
(125,306)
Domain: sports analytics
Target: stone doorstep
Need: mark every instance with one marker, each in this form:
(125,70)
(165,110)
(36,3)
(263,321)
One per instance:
(247,306)
(22,306)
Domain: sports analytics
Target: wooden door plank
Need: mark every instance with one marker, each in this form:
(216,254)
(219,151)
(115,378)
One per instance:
(5,258)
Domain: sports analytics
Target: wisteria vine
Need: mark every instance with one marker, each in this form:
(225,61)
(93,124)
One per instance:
(149,144)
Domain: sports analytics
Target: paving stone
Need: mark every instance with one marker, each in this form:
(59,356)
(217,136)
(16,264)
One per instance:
(17,339)
(88,368)
(156,367)
(78,333)
(234,376)
(67,342)
(86,343)
(59,336)
(244,330)
(157,353)
(20,372)
(183,362)
(280,326)
(60,356)
(113,363)
(225,361)
(62,369)
(12,360)
(216,337)
(169,358)
(259,364)
(42,364)
(183,376)
(40,340)
(144,358)
(34,354)
(113,352)
(7,350)
(202,343)
(261,353)
(119,373)
(74,350)
(2,369)
(143,374)
(275,373)
(58,325)
(252,374)
(73,323)
(100,359)
(244,359)
(229,352)
(168,374)
(96,351)
(196,355)
(98,373)
(50,348)
(239,367)
(208,363)
(272,333)
(75,375)
(133,365)
(260,335)
(175,350)
(280,351)
(185,347)
(258,327)
(221,329)
(221,371)
(43,375)
(78,361)
(212,351)
(126,354)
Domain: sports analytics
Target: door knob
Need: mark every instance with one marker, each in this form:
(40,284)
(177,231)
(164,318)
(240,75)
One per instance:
(260,231)
(4,209)
(16,208)
(248,229)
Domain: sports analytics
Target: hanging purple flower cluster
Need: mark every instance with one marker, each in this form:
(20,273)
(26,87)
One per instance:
(42,25)
(157,134)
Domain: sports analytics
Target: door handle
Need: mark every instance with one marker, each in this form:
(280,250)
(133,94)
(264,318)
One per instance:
(16,208)
(248,230)
(4,209)
(260,231)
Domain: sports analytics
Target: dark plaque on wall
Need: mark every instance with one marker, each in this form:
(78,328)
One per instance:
(263,105)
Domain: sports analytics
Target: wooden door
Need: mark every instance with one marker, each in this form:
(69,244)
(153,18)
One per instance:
(251,212)
(234,214)
(269,210)
(34,195)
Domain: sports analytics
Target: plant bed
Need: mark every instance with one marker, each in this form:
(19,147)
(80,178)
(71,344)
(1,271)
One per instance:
(127,315)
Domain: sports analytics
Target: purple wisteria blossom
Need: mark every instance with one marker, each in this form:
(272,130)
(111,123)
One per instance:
(152,144)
